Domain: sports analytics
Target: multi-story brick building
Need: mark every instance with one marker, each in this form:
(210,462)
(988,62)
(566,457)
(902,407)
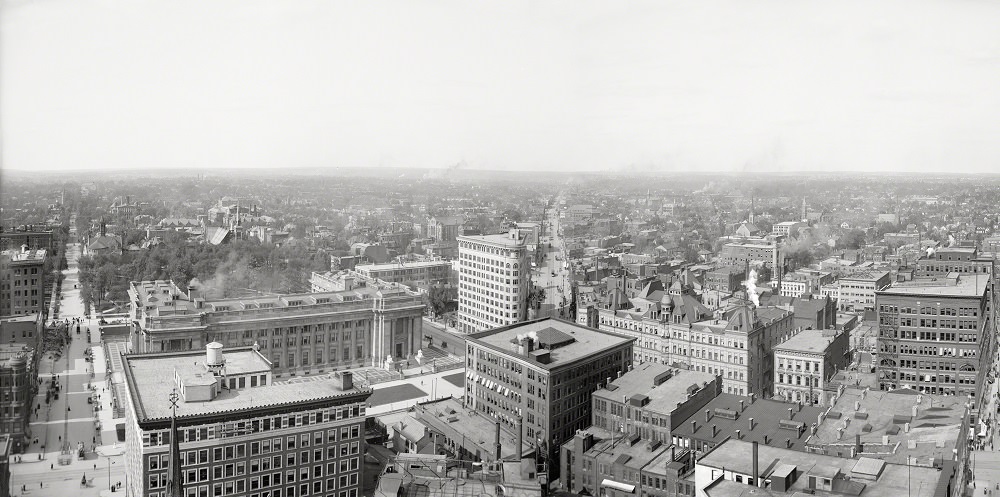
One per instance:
(736,344)
(595,463)
(652,399)
(363,324)
(806,362)
(962,260)
(741,254)
(494,281)
(36,238)
(541,373)
(725,279)
(18,385)
(857,292)
(22,282)
(936,335)
(737,348)
(239,433)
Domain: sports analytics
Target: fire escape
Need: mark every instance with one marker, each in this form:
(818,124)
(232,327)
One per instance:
(888,330)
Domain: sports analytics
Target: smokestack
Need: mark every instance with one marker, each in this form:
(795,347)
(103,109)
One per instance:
(756,481)
(520,437)
(499,455)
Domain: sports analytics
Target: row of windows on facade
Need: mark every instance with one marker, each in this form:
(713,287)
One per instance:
(493,283)
(712,339)
(928,336)
(19,271)
(256,425)
(657,482)
(799,380)
(931,351)
(935,365)
(256,466)
(931,378)
(488,250)
(334,487)
(960,324)
(930,310)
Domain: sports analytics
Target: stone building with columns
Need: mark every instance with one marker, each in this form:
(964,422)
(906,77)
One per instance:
(363,323)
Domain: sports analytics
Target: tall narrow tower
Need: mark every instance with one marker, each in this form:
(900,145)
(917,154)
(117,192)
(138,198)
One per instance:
(750,217)
(804,215)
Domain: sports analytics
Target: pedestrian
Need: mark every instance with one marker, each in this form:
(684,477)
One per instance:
(95,466)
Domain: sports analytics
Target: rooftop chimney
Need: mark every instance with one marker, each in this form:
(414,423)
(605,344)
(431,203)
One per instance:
(708,415)
(791,415)
(694,426)
(499,455)
(751,424)
(737,435)
(741,405)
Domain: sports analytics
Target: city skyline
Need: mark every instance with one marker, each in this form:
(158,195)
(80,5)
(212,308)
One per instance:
(722,86)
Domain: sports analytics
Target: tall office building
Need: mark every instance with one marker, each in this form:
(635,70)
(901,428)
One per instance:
(238,432)
(936,334)
(538,376)
(493,280)
(22,282)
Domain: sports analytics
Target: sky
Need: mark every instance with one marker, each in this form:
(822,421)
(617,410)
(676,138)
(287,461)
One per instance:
(715,85)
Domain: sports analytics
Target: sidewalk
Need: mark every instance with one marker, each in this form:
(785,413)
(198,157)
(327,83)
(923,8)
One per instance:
(71,419)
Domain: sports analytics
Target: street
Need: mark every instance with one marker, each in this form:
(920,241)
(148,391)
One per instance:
(558,291)
(59,425)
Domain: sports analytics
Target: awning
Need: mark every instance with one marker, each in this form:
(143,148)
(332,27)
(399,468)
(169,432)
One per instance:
(624,487)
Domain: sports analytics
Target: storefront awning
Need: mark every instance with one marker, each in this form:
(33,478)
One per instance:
(624,487)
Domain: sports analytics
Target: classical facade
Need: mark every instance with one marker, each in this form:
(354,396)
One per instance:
(365,323)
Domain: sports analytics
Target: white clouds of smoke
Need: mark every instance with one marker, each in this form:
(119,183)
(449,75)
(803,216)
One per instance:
(751,285)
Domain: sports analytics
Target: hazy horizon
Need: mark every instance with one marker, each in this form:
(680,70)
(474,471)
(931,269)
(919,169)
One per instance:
(717,86)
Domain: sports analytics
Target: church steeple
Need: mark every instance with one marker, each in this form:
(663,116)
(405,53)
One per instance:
(750,217)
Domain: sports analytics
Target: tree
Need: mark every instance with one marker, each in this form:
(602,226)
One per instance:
(853,239)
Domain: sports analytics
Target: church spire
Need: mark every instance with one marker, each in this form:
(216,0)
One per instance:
(750,217)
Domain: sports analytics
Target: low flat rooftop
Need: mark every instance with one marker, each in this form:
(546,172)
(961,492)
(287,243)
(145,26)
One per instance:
(584,341)
(398,266)
(150,380)
(663,398)
(737,456)
(28,256)
(453,420)
(810,341)
(967,285)
(933,432)
(504,239)
(726,415)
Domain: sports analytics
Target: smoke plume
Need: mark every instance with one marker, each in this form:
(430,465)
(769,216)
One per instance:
(751,286)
